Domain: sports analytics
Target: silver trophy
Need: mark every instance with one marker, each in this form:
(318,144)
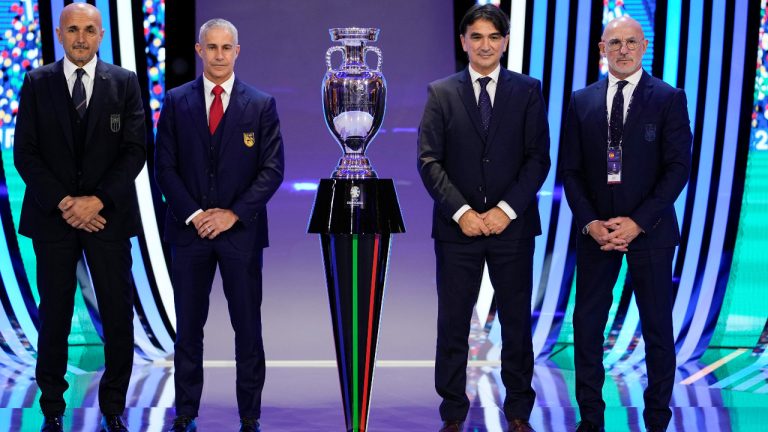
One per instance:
(354,98)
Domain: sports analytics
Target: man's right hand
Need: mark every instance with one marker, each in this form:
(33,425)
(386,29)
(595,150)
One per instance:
(198,220)
(472,225)
(95,225)
(597,231)
(66,203)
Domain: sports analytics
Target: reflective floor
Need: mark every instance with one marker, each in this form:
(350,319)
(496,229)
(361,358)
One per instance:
(304,396)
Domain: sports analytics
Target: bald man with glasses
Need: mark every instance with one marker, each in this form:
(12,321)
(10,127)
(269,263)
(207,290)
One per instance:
(626,158)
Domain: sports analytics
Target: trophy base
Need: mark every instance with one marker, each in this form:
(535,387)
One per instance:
(354,166)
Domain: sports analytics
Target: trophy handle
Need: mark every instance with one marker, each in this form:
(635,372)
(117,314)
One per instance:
(330,51)
(378,55)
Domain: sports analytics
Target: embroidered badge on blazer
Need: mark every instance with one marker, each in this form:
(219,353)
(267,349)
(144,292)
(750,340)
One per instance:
(114,122)
(650,132)
(249,139)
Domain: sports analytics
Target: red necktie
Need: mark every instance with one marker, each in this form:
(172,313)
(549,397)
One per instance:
(217,109)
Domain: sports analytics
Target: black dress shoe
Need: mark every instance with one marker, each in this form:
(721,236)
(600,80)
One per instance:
(52,424)
(113,423)
(587,426)
(249,425)
(452,426)
(519,425)
(183,424)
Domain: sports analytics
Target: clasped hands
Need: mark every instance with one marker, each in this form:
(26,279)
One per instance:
(615,234)
(213,222)
(83,212)
(474,224)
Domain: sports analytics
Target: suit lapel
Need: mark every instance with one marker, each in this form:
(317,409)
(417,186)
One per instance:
(101,84)
(467,95)
(640,98)
(601,109)
(504,89)
(237,102)
(61,102)
(196,105)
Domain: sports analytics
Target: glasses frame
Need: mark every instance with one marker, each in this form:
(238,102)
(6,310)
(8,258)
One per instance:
(622,43)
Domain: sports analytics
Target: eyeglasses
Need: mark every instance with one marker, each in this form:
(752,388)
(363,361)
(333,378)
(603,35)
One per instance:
(616,44)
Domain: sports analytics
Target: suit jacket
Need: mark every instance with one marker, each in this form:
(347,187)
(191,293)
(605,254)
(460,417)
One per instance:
(459,167)
(249,161)
(656,160)
(113,155)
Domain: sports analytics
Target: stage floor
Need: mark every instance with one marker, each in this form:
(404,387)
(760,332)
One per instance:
(302,396)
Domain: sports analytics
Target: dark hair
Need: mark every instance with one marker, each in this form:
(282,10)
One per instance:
(487,12)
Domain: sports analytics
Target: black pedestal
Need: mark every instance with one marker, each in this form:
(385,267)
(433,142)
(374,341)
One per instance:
(355,220)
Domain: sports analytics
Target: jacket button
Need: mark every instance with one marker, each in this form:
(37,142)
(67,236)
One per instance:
(486,160)
(480,188)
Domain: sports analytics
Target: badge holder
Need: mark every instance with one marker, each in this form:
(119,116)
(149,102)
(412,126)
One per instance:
(614,165)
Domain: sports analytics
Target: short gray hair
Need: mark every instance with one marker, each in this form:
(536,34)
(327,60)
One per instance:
(217,22)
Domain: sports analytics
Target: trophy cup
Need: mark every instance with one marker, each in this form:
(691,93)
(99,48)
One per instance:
(354,98)
(355,214)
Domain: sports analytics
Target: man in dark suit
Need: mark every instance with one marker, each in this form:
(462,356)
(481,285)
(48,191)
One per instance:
(622,174)
(219,160)
(483,154)
(80,143)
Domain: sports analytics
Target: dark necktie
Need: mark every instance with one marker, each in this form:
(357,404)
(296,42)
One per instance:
(217,109)
(616,127)
(484,103)
(78,93)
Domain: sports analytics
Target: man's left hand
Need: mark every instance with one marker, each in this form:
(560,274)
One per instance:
(623,231)
(496,220)
(215,221)
(82,211)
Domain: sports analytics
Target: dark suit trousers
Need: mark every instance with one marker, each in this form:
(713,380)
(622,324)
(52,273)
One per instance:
(459,273)
(650,271)
(109,263)
(194,267)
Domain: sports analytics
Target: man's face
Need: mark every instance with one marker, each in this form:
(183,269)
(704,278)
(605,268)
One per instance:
(218,52)
(484,45)
(80,34)
(616,44)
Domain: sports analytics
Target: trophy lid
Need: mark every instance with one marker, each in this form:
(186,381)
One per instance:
(354,33)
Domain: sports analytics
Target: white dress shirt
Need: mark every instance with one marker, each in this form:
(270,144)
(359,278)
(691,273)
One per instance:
(629,89)
(70,73)
(491,89)
(208,87)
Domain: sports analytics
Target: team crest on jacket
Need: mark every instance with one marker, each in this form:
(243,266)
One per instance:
(249,139)
(650,132)
(114,122)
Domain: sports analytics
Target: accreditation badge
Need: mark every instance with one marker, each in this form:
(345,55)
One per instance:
(614,165)
(249,139)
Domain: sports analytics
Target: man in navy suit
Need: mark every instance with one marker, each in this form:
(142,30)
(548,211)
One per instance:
(80,143)
(219,160)
(626,158)
(483,154)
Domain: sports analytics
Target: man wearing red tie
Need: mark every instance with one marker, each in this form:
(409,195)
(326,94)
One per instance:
(217,180)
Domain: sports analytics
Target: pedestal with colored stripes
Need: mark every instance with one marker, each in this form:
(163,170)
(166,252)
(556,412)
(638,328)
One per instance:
(355,220)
